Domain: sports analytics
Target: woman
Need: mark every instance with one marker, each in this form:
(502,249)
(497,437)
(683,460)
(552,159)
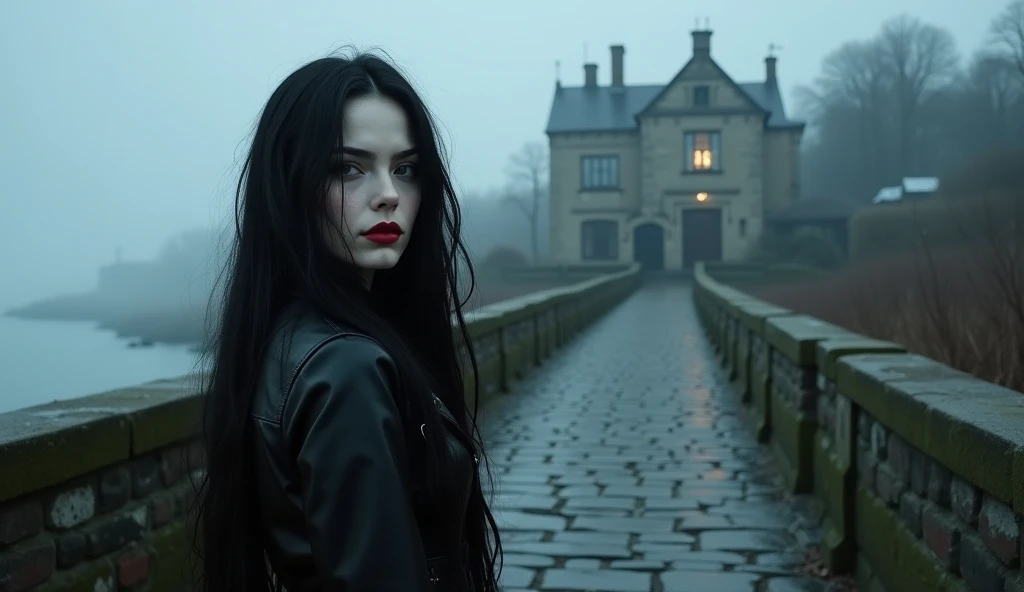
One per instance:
(340,454)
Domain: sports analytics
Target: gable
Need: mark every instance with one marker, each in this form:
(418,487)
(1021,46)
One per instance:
(723,93)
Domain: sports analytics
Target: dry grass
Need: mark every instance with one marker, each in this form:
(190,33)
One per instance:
(962,305)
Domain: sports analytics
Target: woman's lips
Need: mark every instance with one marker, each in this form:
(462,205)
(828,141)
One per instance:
(383,238)
(384,233)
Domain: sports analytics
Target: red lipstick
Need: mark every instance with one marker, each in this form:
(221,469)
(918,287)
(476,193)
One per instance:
(384,233)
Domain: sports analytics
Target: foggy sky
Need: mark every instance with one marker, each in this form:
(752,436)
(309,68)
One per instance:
(122,122)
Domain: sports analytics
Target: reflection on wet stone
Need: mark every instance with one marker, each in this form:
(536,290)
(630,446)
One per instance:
(622,464)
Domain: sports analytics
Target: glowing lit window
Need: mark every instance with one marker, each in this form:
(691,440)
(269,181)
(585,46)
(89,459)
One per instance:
(703,151)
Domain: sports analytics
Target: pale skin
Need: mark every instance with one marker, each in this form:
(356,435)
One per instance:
(375,181)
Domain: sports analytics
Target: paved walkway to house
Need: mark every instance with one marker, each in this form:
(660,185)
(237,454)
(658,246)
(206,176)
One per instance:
(622,465)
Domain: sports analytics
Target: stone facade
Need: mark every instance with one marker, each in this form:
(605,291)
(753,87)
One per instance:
(668,174)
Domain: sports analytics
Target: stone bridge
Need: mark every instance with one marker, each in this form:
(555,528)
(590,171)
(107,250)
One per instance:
(668,435)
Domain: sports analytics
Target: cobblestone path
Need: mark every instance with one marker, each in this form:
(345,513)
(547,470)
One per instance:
(623,465)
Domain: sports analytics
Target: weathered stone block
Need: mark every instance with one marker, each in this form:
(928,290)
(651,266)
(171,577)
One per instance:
(145,476)
(965,499)
(27,565)
(111,534)
(879,440)
(910,512)
(51,444)
(20,520)
(938,484)
(919,472)
(980,569)
(887,485)
(156,423)
(132,568)
(1000,530)
(71,549)
(162,508)
(863,426)
(71,507)
(115,490)
(172,464)
(899,458)
(942,535)
(866,467)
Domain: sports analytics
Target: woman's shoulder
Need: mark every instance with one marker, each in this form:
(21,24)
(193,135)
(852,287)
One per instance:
(309,346)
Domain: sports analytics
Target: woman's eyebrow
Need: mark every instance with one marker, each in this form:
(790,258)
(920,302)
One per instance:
(369,154)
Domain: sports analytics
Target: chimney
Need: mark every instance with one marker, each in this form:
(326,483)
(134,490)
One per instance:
(617,52)
(590,75)
(769,67)
(702,43)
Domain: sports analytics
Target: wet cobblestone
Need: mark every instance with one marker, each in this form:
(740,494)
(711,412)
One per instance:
(623,465)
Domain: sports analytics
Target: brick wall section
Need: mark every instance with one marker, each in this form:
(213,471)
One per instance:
(101,530)
(967,531)
(94,491)
(934,497)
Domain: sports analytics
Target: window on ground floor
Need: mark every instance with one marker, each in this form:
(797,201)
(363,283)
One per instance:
(600,240)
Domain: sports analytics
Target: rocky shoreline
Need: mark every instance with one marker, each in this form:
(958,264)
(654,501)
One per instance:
(143,327)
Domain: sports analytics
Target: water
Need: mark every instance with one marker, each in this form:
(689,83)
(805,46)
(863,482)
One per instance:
(43,361)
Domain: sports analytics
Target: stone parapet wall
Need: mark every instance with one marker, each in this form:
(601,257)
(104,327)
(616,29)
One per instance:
(917,469)
(94,491)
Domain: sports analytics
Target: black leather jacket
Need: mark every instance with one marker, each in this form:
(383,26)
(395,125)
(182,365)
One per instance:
(340,490)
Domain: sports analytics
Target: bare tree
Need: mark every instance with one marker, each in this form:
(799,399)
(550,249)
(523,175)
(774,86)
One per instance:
(921,59)
(854,76)
(528,173)
(1008,32)
(995,88)
(850,101)
(898,104)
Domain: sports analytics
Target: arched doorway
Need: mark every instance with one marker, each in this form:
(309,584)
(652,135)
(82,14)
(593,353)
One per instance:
(649,246)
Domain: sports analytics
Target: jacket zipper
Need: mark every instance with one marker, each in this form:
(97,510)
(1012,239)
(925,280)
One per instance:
(440,410)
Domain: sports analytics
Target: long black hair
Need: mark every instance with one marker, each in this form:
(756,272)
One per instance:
(279,255)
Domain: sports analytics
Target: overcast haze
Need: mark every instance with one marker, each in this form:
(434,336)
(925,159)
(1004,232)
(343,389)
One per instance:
(123,122)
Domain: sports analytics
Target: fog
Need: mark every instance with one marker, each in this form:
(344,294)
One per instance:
(123,122)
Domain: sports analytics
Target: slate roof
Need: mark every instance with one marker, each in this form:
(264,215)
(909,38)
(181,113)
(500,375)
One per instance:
(770,99)
(577,109)
(610,109)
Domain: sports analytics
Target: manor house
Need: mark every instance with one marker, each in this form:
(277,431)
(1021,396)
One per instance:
(669,174)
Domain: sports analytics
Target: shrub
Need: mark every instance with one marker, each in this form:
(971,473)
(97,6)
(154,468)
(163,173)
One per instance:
(998,172)
(806,246)
(960,305)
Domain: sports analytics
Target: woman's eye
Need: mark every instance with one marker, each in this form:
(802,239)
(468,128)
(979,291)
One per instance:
(340,168)
(406,170)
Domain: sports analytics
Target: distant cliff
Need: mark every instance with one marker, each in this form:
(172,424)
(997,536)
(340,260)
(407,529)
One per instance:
(161,300)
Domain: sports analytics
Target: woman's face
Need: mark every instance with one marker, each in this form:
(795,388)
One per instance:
(374,192)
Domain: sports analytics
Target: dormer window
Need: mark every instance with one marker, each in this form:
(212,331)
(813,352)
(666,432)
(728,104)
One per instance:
(701,96)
